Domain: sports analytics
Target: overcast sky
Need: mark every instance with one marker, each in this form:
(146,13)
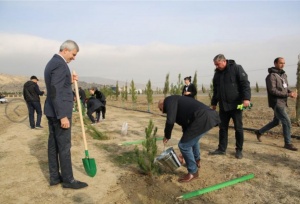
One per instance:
(142,40)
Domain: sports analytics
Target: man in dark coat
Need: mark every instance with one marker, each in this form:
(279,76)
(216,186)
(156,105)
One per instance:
(58,109)
(278,93)
(230,89)
(82,96)
(101,97)
(196,119)
(31,94)
(94,105)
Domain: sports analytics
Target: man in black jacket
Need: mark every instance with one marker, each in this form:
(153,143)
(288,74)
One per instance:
(278,93)
(58,109)
(94,105)
(196,119)
(230,88)
(31,94)
(101,97)
(82,96)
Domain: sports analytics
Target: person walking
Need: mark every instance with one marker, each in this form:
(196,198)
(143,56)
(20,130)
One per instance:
(230,88)
(31,94)
(189,89)
(58,109)
(278,93)
(196,119)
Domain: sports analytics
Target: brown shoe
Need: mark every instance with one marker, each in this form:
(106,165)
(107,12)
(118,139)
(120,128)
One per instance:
(198,163)
(290,147)
(258,135)
(188,177)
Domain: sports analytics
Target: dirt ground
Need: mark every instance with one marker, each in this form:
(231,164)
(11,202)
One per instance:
(24,163)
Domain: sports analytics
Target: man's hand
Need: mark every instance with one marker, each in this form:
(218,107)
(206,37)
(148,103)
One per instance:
(293,94)
(64,123)
(214,107)
(246,103)
(165,140)
(74,77)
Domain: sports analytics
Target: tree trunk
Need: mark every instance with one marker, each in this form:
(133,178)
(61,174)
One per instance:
(298,98)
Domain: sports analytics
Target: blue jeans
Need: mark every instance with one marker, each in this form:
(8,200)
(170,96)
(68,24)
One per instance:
(280,115)
(34,106)
(190,151)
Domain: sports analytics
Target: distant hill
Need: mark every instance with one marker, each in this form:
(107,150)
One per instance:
(14,83)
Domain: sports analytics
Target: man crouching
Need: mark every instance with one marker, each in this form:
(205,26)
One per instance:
(196,119)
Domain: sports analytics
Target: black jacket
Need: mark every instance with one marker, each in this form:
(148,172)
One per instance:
(231,86)
(194,117)
(82,95)
(190,88)
(100,96)
(93,104)
(31,92)
(277,93)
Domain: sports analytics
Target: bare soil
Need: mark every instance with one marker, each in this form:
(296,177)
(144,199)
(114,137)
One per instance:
(24,163)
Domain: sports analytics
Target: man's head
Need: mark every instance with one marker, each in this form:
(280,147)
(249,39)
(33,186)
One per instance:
(160,105)
(279,62)
(69,50)
(92,90)
(220,62)
(34,79)
(187,80)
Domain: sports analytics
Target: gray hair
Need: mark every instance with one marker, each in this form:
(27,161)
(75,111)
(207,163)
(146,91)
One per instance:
(69,45)
(219,57)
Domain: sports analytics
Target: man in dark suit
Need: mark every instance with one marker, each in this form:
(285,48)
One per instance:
(58,109)
(196,119)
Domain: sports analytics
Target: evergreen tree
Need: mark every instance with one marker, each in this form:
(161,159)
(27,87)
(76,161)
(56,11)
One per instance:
(195,82)
(149,93)
(133,93)
(145,158)
(257,87)
(179,86)
(126,92)
(203,89)
(117,91)
(166,88)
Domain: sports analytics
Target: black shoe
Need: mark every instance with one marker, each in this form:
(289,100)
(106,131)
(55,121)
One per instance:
(74,184)
(55,182)
(217,152)
(258,135)
(238,154)
(290,147)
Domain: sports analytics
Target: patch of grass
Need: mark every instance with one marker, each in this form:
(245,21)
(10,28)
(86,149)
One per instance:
(118,154)
(93,132)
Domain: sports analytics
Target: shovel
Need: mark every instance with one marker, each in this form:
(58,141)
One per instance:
(88,163)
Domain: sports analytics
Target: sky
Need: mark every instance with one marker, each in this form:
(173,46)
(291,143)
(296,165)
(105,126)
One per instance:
(145,40)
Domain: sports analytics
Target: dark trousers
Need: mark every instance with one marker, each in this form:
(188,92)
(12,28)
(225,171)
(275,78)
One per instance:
(237,117)
(59,155)
(103,110)
(91,117)
(32,107)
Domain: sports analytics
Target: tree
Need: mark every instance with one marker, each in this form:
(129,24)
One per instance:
(149,93)
(133,92)
(166,88)
(211,90)
(298,88)
(145,158)
(203,89)
(126,92)
(179,86)
(117,90)
(195,82)
(257,87)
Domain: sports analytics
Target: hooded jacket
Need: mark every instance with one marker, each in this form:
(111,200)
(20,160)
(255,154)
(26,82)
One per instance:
(31,92)
(277,93)
(231,86)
